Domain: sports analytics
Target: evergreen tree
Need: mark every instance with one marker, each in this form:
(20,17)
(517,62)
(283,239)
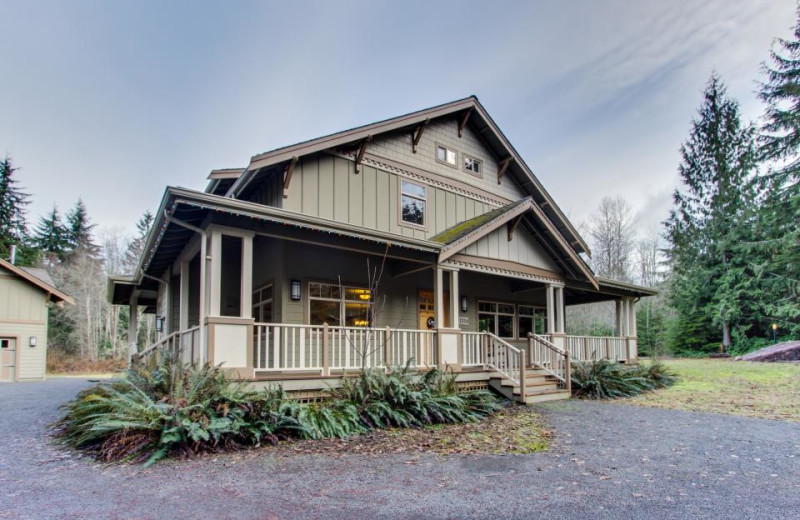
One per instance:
(779,240)
(50,235)
(79,231)
(12,211)
(712,275)
(136,247)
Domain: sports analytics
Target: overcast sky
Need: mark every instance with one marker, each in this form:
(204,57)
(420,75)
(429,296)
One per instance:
(111,102)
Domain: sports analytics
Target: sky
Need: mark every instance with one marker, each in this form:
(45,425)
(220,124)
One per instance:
(113,101)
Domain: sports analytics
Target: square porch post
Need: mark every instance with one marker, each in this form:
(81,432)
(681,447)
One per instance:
(183,313)
(560,311)
(454,303)
(133,327)
(438,296)
(246,299)
(215,290)
(550,303)
(618,317)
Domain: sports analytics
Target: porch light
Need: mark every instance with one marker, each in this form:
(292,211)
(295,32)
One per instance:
(294,290)
(32,341)
(159,323)
(774,332)
(464,304)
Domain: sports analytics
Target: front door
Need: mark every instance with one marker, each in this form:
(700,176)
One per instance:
(427,310)
(8,358)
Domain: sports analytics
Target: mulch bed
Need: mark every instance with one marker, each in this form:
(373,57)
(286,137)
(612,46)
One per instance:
(513,430)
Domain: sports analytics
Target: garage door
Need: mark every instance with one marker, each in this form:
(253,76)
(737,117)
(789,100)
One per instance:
(8,357)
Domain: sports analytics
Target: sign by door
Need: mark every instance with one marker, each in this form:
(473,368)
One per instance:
(463,321)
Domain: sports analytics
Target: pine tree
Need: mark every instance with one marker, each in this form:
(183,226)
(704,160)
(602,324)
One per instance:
(50,235)
(779,239)
(136,247)
(711,273)
(12,210)
(79,231)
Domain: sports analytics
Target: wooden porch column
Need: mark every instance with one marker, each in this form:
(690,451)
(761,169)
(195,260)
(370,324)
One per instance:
(246,307)
(551,325)
(560,310)
(632,315)
(133,327)
(455,307)
(203,304)
(618,318)
(216,274)
(438,296)
(183,305)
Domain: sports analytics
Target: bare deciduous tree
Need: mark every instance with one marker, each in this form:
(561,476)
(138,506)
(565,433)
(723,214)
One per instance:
(611,229)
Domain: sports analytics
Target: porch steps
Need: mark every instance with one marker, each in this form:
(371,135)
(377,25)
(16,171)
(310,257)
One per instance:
(539,387)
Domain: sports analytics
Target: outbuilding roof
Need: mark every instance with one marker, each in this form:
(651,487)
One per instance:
(27,274)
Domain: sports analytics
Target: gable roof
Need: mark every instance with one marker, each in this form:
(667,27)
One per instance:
(220,181)
(461,235)
(478,118)
(46,286)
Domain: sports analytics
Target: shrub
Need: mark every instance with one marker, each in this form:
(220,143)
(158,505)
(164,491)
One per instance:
(606,379)
(183,410)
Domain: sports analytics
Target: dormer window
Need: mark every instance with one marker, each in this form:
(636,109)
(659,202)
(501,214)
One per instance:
(473,165)
(446,155)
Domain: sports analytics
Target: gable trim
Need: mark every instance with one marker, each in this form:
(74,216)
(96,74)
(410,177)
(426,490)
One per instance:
(506,266)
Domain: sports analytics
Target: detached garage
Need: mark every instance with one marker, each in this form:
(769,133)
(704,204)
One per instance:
(25,297)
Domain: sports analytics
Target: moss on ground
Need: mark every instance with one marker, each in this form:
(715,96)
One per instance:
(765,390)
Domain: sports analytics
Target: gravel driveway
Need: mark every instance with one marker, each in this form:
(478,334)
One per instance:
(609,461)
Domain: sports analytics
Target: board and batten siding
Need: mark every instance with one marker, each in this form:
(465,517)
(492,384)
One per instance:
(326,186)
(23,314)
(523,248)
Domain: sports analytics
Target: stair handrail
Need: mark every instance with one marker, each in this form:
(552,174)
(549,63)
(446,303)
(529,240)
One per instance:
(564,376)
(515,352)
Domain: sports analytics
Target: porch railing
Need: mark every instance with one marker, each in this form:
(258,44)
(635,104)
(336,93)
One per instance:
(473,348)
(322,348)
(506,359)
(584,348)
(183,345)
(553,360)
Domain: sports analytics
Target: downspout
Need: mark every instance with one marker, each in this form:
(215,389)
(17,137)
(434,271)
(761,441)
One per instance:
(203,272)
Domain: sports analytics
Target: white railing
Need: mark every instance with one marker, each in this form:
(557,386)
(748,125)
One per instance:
(584,348)
(321,348)
(183,345)
(548,357)
(506,359)
(472,347)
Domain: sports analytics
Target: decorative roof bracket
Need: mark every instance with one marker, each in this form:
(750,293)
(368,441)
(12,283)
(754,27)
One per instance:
(287,176)
(512,226)
(463,122)
(503,167)
(361,150)
(417,135)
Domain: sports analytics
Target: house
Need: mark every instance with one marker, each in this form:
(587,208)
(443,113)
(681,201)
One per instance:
(424,237)
(26,295)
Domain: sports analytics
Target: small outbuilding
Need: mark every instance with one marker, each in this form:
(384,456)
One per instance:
(26,295)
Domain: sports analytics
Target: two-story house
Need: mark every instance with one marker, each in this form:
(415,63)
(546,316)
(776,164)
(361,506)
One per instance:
(425,237)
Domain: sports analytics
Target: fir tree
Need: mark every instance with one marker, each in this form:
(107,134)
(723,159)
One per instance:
(50,235)
(779,240)
(712,216)
(79,231)
(12,210)
(136,247)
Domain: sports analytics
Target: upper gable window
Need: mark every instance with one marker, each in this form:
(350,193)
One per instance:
(413,198)
(473,165)
(446,155)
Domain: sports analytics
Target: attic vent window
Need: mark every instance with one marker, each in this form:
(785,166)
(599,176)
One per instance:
(412,202)
(473,165)
(446,155)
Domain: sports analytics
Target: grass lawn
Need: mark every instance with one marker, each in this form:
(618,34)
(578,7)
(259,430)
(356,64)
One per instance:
(766,390)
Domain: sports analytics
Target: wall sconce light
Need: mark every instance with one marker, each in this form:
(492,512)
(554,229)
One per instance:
(294,290)
(464,304)
(159,323)
(32,341)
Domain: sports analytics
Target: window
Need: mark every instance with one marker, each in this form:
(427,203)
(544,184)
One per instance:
(6,343)
(531,319)
(262,304)
(497,318)
(446,155)
(412,203)
(339,305)
(473,165)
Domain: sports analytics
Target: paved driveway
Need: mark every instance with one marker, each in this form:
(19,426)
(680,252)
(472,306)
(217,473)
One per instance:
(609,461)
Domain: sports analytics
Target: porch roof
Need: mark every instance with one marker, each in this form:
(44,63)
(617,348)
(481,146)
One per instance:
(182,209)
